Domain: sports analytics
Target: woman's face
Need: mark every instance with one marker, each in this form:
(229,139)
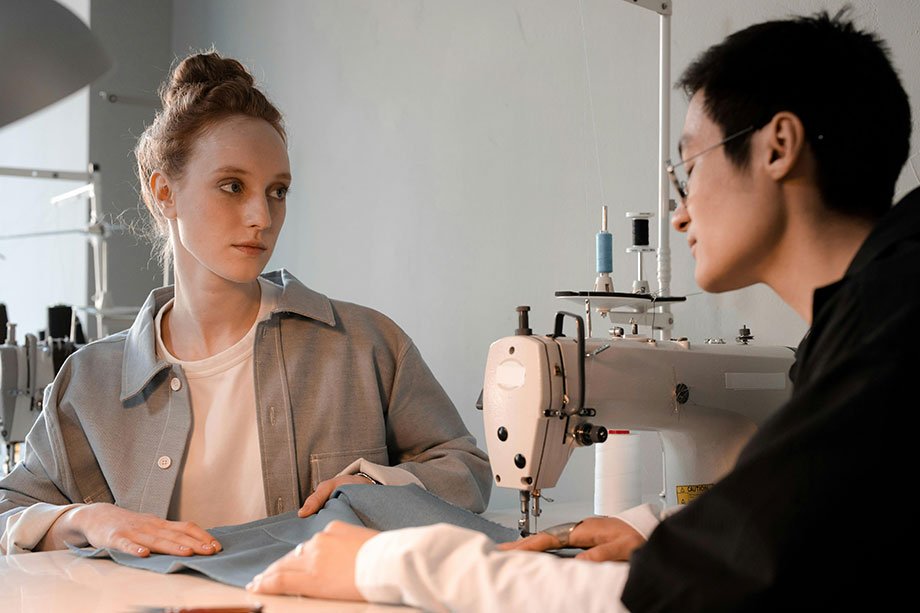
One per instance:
(227,208)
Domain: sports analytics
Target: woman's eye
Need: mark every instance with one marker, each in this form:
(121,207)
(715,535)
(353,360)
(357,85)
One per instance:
(280,193)
(234,187)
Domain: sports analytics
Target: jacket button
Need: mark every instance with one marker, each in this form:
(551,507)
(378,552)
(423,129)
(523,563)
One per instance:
(164,462)
(175,385)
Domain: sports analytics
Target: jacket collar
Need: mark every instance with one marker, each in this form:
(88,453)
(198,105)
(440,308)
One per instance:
(901,223)
(140,363)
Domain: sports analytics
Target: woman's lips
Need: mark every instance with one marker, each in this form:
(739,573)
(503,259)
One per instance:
(250,248)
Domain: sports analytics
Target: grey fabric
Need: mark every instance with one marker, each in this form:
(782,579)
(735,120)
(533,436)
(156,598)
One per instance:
(334,382)
(249,548)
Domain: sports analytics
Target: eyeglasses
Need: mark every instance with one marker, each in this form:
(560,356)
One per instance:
(678,174)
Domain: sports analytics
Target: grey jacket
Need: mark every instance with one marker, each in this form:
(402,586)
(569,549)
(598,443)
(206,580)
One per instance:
(334,382)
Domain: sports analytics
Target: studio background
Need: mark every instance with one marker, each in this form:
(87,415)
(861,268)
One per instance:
(450,160)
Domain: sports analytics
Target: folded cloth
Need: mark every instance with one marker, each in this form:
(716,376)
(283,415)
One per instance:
(248,549)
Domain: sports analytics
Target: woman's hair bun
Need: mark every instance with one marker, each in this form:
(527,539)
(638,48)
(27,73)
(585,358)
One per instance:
(203,71)
(202,89)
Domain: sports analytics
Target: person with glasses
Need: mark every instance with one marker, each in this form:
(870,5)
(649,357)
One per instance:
(795,136)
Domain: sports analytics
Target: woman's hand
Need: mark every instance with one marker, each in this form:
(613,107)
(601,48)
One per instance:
(323,491)
(323,567)
(107,526)
(603,538)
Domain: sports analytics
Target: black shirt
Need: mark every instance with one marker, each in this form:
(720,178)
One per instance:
(814,515)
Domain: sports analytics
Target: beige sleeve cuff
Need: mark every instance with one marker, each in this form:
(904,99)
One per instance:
(25,530)
(386,475)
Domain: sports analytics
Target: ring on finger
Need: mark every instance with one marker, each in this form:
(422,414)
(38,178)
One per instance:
(562,532)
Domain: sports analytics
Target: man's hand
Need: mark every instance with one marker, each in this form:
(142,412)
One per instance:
(323,567)
(603,538)
(105,525)
(323,491)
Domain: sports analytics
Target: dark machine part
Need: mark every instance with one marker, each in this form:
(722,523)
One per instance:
(60,317)
(580,340)
(744,335)
(523,328)
(27,366)
(60,320)
(3,321)
(587,434)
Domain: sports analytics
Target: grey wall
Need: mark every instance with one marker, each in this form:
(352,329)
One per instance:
(137,33)
(68,135)
(445,162)
(38,272)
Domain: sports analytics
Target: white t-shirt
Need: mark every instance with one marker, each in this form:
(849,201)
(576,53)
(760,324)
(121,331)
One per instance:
(221,481)
(223,460)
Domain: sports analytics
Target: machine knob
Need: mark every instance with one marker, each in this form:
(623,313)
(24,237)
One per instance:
(587,434)
(744,335)
(523,328)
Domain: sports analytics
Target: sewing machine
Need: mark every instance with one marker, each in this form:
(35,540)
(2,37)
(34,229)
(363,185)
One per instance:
(26,369)
(544,396)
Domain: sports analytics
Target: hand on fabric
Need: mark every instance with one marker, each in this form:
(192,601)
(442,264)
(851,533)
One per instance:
(603,539)
(323,491)
(323,567)
(139,534)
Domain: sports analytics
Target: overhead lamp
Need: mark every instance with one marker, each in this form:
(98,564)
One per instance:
(46,53)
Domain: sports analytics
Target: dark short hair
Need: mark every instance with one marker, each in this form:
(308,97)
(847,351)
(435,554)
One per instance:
(838,80)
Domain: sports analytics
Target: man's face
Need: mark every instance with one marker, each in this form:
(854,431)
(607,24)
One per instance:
(730,216)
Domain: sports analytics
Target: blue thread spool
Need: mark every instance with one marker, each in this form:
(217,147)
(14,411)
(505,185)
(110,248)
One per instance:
(604,245)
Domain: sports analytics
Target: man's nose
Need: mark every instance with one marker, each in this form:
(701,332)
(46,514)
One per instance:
(680,220)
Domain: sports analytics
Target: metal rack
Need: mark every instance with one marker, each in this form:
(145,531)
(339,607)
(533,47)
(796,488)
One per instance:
(97,232)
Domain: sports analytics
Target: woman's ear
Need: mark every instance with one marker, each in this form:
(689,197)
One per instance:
(163,194)
(783,144)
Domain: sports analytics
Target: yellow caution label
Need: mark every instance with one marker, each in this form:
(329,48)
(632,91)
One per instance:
(686,493)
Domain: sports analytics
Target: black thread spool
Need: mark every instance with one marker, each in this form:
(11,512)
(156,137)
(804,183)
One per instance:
(639,246)
(640,231)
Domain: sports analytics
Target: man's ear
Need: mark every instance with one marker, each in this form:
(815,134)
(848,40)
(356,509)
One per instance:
(163,194)
(783,144)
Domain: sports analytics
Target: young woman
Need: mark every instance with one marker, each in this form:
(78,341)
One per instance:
(234,395)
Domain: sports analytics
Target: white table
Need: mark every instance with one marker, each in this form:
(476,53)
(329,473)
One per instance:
(59,581)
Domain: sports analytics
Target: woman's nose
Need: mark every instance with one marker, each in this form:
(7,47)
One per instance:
(258,213)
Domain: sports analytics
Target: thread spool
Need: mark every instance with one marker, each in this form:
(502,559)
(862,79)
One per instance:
(604,252)
(604,246)
(640,231)
(617,479)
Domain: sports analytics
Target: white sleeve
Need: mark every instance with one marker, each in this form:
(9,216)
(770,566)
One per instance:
(386,475)
(446,568)
(643,519)
(25,530)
